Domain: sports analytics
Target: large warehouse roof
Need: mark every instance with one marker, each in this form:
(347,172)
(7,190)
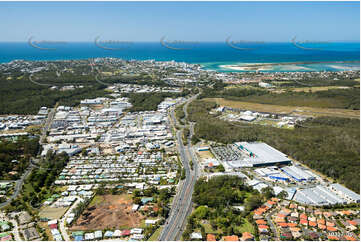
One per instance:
(345,191)
(297,173)
(261,153)
(318,196)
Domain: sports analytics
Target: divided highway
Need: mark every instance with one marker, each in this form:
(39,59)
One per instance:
(182,203)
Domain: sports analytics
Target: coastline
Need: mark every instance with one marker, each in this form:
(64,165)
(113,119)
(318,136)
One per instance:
(290,66)
(301,66)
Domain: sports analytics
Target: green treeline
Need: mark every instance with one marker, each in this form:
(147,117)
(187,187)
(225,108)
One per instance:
(14,156)
(220,191)
(150,101)
(41,178)
(24,97)
(328,144)
(179,113)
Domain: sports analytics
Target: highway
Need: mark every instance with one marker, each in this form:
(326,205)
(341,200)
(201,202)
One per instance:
(32,164)
(182,202)
(18,185)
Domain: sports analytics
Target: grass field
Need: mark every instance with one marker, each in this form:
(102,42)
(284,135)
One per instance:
(96,200)
(51,213)
(308,111)
(28,188)
(246,227)
(209,230)
(156,234)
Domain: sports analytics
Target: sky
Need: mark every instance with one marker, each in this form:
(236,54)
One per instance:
(180,21)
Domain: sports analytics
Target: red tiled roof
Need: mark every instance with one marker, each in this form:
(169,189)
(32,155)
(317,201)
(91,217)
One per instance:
(332,229)
(271,202)
(53,226)
(312,224)
(303,222)
(352,222)
(283,225)
(230,238)
(321,226)
(246,236)
(321,221)
(349,238)
(332,237)
(330,224)
(261,221)
(211,237)
(346,212)
(292,205)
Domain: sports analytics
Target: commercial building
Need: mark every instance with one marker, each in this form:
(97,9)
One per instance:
(259,154)
(345,193)
(318,196)
(298,174)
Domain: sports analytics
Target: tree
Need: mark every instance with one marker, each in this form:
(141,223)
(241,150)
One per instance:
(282,195)
(137,200)
(253,202)
(268,192)
(201,212)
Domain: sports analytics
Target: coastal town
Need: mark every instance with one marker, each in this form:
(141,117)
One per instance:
(111,171)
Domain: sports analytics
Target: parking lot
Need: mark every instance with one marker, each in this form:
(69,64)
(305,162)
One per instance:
(227,153)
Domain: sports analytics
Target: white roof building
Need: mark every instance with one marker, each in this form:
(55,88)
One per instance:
(196,235)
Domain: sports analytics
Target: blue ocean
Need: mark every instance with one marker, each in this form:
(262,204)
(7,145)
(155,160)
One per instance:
(211,55)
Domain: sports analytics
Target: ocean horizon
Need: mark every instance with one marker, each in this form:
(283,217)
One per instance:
(217,56)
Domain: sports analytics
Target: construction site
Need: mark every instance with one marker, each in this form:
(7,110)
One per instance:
(109,212)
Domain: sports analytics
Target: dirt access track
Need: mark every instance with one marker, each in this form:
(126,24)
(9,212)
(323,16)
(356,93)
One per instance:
(109,212)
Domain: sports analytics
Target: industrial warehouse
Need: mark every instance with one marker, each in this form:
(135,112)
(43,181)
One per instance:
(245,154)
(326,195)
(272,168)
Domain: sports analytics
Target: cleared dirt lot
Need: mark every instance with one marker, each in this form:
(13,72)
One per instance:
(205,155)
(109,212)
(307,111)
(316,89)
